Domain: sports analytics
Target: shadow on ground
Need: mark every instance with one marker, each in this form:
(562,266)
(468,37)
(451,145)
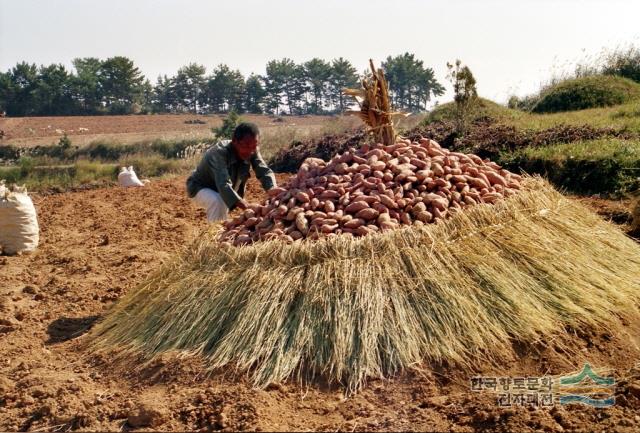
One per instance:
(68,328)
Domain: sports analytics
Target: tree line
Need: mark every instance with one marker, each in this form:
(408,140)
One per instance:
(117,86)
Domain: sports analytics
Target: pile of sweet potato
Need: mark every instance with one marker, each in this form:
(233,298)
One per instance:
(371,189)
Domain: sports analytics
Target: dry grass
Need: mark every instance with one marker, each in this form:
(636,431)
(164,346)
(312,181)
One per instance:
(459,292)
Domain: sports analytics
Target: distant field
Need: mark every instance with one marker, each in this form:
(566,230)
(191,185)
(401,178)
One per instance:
(32,131)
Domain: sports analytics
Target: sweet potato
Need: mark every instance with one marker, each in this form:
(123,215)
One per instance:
(341,168)
(495,178)
(329,206)
(424,216)
(378,165)
(302,197)
(383,217)
(356,206)
(380,208)
(388,225)
(328,228)
(354,223)
(437,169)
(365,198)
(388,202)
(367,214)
(362,231)
(301,223)
(405,218)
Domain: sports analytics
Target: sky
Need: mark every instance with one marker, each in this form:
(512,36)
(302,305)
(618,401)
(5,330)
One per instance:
(511,46)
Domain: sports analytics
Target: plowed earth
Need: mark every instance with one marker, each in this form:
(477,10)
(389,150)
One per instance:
(31,131)
(97,244)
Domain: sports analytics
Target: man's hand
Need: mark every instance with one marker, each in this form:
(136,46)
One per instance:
(242,204)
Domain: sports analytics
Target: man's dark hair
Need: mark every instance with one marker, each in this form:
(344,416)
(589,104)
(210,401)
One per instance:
(245,129)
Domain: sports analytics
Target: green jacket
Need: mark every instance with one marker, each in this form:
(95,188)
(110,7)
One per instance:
(222,171)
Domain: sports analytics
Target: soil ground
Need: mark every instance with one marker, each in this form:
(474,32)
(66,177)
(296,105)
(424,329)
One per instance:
(97,244)
(31,131)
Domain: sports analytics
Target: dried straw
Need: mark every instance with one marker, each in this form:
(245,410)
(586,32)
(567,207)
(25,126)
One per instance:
(375,106)
(460,291)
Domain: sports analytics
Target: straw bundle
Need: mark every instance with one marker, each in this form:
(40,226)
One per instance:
(459,291)
(375,106)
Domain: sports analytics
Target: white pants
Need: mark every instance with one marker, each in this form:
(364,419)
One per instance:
(214,205)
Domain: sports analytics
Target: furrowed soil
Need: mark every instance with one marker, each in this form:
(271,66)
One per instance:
(32,131)
(97,244)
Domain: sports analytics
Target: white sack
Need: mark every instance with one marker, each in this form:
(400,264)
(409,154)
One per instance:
(19,231)
(127,177)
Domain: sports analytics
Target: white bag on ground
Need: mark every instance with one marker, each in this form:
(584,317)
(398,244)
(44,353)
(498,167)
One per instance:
(127,177)
(19,231)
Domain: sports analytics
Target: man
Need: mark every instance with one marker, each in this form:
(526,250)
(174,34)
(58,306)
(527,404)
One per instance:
(218,183)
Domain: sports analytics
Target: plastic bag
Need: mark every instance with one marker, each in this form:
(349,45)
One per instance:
(127,177)
(19,231)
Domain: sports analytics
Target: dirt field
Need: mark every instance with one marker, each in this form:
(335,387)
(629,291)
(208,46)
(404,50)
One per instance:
(31,131)
(98,244)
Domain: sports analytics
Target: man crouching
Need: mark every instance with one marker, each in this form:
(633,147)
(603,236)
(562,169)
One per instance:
(218,183)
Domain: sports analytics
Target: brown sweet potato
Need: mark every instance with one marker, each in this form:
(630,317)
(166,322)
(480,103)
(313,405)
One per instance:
(367,214)
(301,223)
(354,223)
(357,206)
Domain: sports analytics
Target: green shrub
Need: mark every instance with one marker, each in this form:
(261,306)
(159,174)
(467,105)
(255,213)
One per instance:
(10,152)
(173,149)
(105,151)
(26,165)
(524,103)
(229,123)
(465,94)
(65,142)
(11,174)
(587,92)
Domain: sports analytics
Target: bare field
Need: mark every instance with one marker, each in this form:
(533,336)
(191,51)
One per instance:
(32,131)
(97,245)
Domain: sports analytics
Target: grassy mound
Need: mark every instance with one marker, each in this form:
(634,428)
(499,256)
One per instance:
(484,108)
(346,309)
(587,92)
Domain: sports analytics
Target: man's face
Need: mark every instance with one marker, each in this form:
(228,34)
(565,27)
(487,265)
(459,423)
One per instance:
(246,147)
